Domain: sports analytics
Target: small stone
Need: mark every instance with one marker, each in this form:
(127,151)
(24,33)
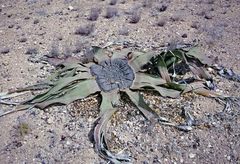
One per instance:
(184,36)
(27,17)
(22,40)
(209,145)
(229,158)
(70,8)
(208,16)
(68,142)
(36,21)
(191,155)
(10,26)
(181,160)
(50,120)
(59,37)
(90,119)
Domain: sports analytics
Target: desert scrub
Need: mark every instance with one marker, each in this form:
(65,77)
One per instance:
(135,17)
(113,2)
(54,51)
(94,14)
(85,30)
(23,129)
(161,7)
(123,31)
(161,22)
(147,3)
(111,12)
(31,51)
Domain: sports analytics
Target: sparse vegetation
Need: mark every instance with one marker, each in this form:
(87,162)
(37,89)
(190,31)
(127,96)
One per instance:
(161,22)
(78,47)
(67,51)
(161,7)
(195,24)
(36,21)
(85,30)
(23,129)
(123,31)
(54,52)
(135,17)
(111,12)
(175,17)
(60,133)
(94,14)
(31,51)
(123,1)
(147,3)
(208,15)
(113,2)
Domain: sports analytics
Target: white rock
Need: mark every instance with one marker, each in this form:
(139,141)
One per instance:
(228,158)
(191,155)
(50,120)
(70,8)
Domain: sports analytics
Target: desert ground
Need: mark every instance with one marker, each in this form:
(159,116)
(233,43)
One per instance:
(31,30)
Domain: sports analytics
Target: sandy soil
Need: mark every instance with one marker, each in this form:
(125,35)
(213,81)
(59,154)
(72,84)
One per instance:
(30,29)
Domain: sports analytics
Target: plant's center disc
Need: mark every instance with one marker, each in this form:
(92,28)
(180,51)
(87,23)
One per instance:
(113,74)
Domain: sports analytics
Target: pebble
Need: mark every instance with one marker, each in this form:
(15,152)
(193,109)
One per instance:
(70,8)
(50,120)
(181,160)
(228,158)
(191,155)
(184,35)
(208,16)
(36,21)
(22,40)
(68,142)
(90,119)
(11,26)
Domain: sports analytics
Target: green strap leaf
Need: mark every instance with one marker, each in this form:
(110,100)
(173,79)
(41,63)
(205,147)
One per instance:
(139,59)
(81,90)
(198,71)
(148,79)
(60,85)
(16,109)
(175,86)
(138,100)
(121,53)
(100,141)
(196,53)
(162,68)
(71,66)
(101,54)
(109,101)
(66,70)
(172,56)
(165,92)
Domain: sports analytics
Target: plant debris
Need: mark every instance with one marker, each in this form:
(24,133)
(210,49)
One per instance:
(227,73)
